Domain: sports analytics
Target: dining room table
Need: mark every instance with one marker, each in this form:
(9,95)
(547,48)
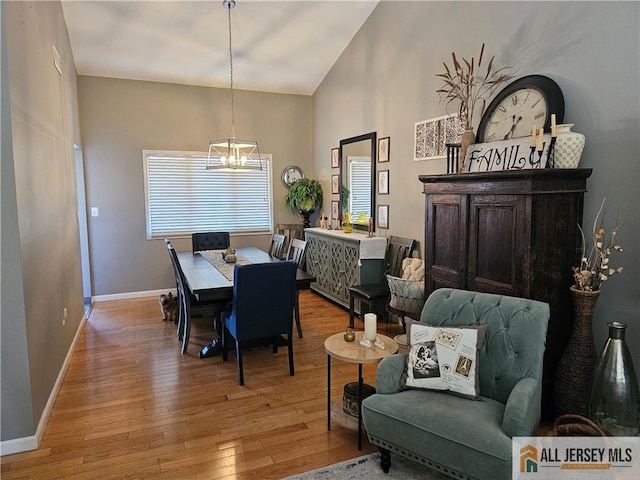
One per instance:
(210,278)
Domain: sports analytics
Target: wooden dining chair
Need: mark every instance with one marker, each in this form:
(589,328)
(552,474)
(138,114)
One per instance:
(290,231)
(296,254)
(188,304)
(262,308)
(276,247)
(377,294)
(202,241)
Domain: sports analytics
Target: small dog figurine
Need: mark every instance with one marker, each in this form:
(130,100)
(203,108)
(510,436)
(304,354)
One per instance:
(168,306)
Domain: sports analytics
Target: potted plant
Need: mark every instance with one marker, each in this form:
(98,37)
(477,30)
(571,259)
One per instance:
(466,85)
(304,197)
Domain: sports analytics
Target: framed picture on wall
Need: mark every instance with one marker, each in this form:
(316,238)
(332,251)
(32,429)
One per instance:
(383,182)
(383,149)
(383,216)
(335,210)
(335,184)
(433,135)
(335,157)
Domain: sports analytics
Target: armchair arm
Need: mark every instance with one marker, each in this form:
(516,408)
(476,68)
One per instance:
(522,411)
(389,373)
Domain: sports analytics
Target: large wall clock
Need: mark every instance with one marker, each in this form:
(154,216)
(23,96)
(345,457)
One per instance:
(523,103)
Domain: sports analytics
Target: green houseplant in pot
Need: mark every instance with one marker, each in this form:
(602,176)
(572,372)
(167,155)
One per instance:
(304,197)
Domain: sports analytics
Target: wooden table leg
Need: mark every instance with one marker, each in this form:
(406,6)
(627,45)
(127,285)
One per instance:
(360,381)
(328,392)
(296,313)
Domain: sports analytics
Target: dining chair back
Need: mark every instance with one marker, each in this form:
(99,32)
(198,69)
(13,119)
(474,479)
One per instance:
(290,231)
(188,304)
(209,241)
(377,294)
(262,308)
(296,254)
(276,247)
(296,251)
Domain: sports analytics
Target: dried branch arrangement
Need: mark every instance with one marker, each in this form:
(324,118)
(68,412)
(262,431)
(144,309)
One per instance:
(464,84)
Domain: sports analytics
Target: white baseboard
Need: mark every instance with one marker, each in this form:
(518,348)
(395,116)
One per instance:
(18,445)
(25,444)
(32,442)
(130,295)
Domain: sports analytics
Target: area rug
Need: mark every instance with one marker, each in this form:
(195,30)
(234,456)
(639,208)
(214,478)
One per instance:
(367,467)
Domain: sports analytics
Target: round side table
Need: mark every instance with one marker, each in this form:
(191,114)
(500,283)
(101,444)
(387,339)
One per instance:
(353,352)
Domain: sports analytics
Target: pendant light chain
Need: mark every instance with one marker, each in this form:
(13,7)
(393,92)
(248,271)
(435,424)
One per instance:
(231,153)
(229,6)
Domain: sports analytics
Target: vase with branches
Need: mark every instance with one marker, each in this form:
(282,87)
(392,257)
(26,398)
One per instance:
(466,84)
(574,375)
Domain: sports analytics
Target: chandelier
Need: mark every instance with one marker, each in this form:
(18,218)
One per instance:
(232,153)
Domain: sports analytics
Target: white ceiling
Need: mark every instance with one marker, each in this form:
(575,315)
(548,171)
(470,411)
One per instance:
(278,46)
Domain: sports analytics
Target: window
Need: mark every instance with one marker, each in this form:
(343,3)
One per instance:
(183,197)
(360,185)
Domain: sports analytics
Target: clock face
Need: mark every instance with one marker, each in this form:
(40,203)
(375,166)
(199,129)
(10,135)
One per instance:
(516,114)
(291,174)
(522,104)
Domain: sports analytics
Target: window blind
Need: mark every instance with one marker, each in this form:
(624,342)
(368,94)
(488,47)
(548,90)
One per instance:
(360,179)
(183,197)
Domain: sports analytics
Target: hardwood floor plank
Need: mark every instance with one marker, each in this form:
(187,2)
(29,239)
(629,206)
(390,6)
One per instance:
(132,406)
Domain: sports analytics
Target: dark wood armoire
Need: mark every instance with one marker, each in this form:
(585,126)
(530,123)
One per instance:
(513,233)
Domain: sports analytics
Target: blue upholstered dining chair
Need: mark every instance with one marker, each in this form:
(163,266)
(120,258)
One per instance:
(209,241)
(262,309)
(188,304)
(465,438)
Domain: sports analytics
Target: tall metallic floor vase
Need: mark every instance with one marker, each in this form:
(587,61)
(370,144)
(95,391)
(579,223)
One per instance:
(614,403)
(572,384)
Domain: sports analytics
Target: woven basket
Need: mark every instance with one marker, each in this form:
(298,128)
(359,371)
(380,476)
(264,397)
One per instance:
(570,425)
(406,295)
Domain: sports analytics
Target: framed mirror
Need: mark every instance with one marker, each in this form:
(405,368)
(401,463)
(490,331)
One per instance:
(358,179)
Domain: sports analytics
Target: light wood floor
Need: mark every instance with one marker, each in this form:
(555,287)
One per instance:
(131,406)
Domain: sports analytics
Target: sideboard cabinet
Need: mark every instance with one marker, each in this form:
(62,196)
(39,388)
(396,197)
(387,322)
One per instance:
(333,258)
(513,233)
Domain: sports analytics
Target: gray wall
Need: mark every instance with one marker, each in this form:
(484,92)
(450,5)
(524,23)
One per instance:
(385,81)
(40,247)
(120,118)
(17,413)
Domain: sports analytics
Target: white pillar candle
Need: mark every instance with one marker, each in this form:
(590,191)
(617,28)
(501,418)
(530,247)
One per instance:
(534,130)
(541,140)
(553,125)
(370,327)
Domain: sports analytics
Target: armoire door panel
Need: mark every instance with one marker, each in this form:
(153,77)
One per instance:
(496,243)
(446,252)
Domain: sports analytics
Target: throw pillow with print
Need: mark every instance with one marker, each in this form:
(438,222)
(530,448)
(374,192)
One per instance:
(443,358)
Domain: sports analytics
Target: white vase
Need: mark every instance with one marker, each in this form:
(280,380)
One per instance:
(568,147)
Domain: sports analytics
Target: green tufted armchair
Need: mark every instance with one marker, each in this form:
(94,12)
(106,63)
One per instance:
(463,438)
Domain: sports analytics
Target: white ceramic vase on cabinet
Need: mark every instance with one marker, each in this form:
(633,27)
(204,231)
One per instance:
(568,147)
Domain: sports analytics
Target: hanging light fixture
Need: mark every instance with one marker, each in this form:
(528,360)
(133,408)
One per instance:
(231,153)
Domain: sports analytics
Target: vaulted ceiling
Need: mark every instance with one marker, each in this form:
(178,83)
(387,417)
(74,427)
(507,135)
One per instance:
(278,46)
